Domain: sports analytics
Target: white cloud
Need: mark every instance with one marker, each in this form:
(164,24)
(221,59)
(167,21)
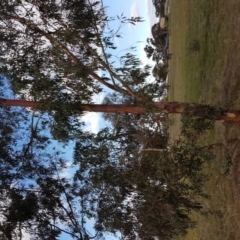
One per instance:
(98,98)
(116,41)
(68,171)
(135,10)
(92,119)
(26,236)
(151,15)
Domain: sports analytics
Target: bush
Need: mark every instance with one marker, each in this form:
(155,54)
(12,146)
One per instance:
(194,46)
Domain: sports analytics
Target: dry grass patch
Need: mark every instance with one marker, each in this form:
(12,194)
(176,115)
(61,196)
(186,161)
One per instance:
(209,73)
(177,47)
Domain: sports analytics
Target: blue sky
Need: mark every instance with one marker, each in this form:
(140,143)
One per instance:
(133,8)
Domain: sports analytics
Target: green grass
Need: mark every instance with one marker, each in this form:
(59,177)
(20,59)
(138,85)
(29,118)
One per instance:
(202,28)
(209,74)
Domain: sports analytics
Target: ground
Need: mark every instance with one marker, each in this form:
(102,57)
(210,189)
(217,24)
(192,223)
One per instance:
(204,68)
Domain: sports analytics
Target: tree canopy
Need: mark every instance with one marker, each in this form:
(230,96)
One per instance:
(56,55)
(62,52)
(55,46)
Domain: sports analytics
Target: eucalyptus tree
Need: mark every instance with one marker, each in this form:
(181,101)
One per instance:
(194,109)
(58,54)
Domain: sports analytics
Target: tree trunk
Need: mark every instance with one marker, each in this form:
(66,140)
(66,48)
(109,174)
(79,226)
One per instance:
(201,110)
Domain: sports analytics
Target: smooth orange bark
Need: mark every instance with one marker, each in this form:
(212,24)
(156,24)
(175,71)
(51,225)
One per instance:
(201,110)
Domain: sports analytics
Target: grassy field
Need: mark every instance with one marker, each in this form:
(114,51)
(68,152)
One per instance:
(204,41)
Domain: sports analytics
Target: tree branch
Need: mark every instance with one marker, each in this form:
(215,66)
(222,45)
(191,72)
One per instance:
(57,43)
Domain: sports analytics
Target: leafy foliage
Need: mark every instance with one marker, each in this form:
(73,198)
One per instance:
(35,198)
(159,6)
(144,187)
(53,52)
